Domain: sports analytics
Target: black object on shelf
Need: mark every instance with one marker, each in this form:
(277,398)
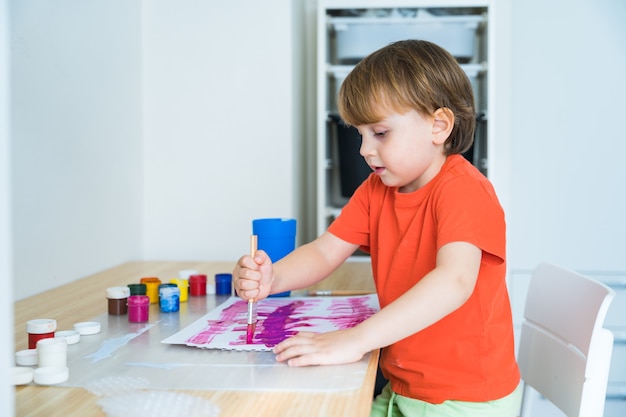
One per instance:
(353,169)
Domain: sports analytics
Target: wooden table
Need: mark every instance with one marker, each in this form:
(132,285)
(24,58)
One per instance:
(85,299)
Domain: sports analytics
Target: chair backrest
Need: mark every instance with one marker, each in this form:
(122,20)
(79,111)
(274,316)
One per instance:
(564,353)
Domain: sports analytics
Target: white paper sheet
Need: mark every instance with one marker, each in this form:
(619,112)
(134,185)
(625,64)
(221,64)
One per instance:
(278,318)
(134,350)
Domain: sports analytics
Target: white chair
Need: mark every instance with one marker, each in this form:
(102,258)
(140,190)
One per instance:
(564,353)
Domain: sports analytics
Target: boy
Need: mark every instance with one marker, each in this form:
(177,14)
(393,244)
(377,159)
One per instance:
(435,231)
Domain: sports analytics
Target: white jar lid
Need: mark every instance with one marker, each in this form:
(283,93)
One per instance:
(41,326)
(21,375)
(50,375)
(117,293)
(52,344)
(71,336)
(87,327)
(27,357)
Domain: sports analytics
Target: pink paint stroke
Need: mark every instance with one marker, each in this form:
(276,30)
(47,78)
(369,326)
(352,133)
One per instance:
(279,319)
(217,327)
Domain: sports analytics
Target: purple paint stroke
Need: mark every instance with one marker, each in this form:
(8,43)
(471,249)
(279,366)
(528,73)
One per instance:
(279,319)
(280,323)
(287,320)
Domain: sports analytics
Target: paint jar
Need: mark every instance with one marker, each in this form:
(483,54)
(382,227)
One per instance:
(169,298)
(187,273)
(51,375)
(223,284)
(137,289)
(152,288)
(138,308)
(118,297)
(183,287)
(197,284)
(52,352)
(40,329)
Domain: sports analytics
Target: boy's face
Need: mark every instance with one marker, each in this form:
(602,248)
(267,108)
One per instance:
(406,150)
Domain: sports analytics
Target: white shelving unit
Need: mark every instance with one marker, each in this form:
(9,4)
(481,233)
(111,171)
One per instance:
(491,154)
(348,30)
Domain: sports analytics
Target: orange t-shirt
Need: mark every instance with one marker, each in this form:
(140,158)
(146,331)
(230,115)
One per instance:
(469,354)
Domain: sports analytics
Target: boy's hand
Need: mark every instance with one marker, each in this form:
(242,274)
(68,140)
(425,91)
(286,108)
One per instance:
(252,277)
(333,348)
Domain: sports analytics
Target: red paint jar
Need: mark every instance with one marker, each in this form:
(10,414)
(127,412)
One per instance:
(40,329)
(197,284)
(138,308)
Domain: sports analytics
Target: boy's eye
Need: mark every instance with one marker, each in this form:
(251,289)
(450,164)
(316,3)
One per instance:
(379,134)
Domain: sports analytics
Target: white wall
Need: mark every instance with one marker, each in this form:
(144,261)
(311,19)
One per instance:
(568,145)
(159,129)
(219,143)
(7,394)
(76,139)
(149,130)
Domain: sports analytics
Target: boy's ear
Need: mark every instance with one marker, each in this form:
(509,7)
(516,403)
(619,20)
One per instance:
(443,122)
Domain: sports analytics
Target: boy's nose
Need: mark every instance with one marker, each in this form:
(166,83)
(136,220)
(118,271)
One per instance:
(366,147)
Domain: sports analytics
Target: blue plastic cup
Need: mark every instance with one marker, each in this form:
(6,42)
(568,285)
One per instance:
(277,237)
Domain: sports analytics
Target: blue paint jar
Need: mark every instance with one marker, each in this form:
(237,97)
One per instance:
(169,298)
(223,284)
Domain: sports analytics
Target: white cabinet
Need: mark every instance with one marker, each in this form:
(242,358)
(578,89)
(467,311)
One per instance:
(349,30)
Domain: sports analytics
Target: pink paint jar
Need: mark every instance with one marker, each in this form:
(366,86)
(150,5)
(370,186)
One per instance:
(138,308)
(197,284)
(40,329)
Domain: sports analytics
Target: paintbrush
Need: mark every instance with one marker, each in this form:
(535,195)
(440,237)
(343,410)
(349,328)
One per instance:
(330,293)
(252,313)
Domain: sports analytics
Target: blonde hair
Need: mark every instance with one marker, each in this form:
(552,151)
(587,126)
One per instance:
(405,75)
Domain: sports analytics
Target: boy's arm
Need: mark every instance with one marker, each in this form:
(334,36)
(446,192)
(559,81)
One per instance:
(311,263)
(439,293)
(306,265)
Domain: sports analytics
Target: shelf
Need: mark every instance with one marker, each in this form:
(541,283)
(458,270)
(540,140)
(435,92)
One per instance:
(349,30)
(472,70)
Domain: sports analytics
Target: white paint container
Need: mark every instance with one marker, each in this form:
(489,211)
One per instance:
(52,352)
(71,336)
(87,327)
(21,375)
(50,375)
(186,273)
(27,357)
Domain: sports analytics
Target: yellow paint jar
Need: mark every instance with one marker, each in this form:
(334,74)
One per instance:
(183,286)
(152,288)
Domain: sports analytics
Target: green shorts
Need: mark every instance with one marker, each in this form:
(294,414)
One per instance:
(390,404)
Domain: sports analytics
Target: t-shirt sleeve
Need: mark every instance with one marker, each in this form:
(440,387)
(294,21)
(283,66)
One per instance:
(352,224)
(468,210)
